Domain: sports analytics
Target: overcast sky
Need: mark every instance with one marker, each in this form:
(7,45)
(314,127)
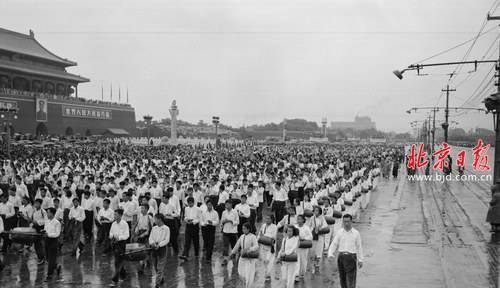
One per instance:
(257,61)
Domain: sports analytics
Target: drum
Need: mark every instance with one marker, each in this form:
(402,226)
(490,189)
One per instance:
(308,213)
(305,244)
(323,231)
(290,258)
(337,214)
(347,202)
(264,240)
(330,220)
(136,252)
(24,235)
(251,254)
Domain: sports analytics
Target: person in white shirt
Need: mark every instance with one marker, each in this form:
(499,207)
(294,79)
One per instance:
(302,253)
(105,217)
(25,212)
(156,192)
(153,206)
(306,204)
(66,204)
(119,234)
(38,223)
(114,200)
(130,208)
(21,189)
(244,213)
(8,213)
(197,195)
(169,211)
(53,231)
(289,248)
(47,201)
(318,226)
(229,222)
(88,223)
(176,203)
(279,201)
(249,247)
(253,202)
(260,197)
(76,217)
(59,216)
(221,204)
(290,219)
(192,217)
(158,240)
(209,220)
(348,242)
(179,192)
(144,224)
(266,252)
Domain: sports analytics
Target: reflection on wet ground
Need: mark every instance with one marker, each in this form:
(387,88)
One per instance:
(493,251)
(93,269)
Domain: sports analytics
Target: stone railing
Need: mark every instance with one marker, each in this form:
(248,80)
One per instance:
(15,92)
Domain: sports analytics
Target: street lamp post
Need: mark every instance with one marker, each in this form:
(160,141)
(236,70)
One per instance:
(147,120)
(7,115)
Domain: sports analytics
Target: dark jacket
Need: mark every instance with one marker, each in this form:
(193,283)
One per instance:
(493,216)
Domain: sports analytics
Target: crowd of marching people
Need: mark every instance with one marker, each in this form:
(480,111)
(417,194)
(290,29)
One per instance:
(272,203)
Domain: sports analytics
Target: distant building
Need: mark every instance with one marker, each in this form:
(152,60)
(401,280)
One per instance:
(359,123)
(35,82)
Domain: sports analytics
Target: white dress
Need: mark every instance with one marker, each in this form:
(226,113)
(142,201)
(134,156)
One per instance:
(246,266)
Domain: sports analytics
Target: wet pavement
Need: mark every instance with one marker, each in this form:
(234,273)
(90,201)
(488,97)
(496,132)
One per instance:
(415,234)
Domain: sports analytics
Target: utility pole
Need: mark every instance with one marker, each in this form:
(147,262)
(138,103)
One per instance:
(496,108)
(445,125)
(447,109)
(429,131)
(433,129)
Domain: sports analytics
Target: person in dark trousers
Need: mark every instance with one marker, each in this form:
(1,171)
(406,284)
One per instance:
(158,240)
(348,242)
(170,213)
(88,223)
(209,220)
(192,217)
(105,218)
(76,217)
(395,168)
(493,216)
(53,231)
(1,231)
(38,221)
(8,215)
(229,222)
(119,234)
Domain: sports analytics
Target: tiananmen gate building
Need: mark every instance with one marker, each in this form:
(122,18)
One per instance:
(35,81)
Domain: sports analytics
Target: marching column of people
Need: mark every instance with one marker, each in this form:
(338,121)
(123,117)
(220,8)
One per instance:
(91,197)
